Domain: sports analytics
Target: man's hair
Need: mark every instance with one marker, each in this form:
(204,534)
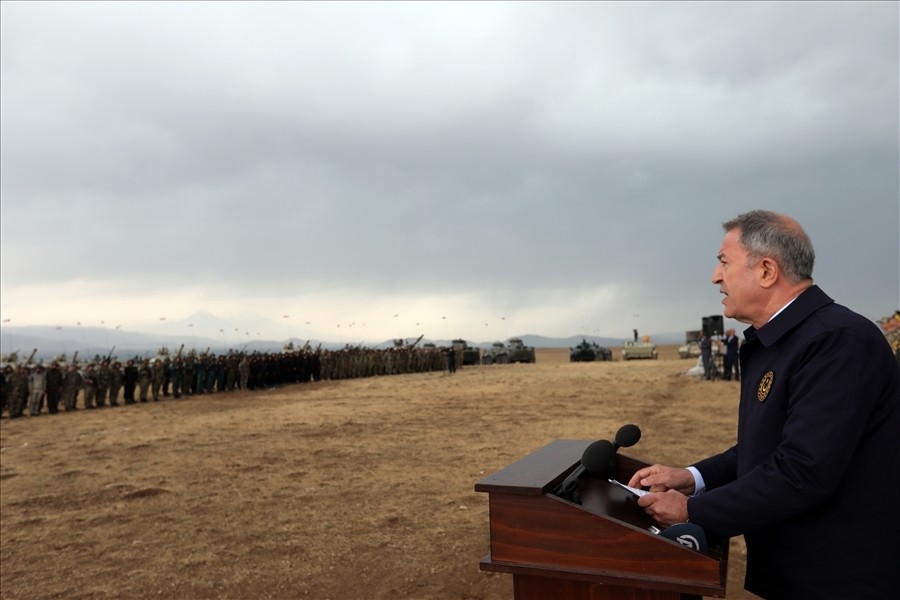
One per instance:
(765,233)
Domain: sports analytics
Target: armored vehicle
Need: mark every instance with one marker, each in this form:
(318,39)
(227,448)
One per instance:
(643,349)
(691,347)
(517,351)
(589,352)
(470,354)
(495,355)
(583,352)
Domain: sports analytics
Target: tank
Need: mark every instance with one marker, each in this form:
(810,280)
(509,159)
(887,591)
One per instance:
(583,352)
(589,352)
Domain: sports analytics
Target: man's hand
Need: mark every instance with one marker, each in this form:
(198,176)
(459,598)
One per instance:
(666,508)
(659,478)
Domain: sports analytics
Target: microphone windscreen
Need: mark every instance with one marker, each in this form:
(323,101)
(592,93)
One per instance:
(687,534)
(628,435)
(597,457)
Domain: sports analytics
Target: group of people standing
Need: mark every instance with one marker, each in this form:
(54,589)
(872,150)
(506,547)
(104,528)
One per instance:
(106,382)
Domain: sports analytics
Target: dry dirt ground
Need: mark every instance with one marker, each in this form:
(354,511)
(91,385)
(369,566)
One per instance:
(360,489)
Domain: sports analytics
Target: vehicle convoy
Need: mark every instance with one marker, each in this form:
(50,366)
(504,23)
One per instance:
(470,354)
(691,347)
(517,351)
(589,352)
(637,350)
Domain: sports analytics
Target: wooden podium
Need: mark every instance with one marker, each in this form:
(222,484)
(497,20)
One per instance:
(601,549)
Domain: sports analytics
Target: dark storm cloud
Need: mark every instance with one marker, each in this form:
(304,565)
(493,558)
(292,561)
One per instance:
(497,148)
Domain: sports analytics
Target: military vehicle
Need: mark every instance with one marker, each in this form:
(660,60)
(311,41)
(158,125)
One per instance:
(589,352)
(517,351)
(497,354)
(470,354)
(691,347)
(636,350)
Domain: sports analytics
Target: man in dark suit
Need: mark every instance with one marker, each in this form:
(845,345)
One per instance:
(731,364)
(813,480)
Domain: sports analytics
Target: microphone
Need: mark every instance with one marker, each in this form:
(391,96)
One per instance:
(687,534)
(595,459)
(627,436)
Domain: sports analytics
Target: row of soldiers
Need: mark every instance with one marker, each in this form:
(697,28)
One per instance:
(99,383)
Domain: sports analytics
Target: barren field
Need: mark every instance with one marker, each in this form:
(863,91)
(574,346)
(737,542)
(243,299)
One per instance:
(359,489)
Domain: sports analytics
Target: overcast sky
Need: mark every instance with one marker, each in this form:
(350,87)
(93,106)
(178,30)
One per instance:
(477,169)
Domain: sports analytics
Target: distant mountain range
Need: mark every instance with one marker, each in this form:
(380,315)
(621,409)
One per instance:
(92,341)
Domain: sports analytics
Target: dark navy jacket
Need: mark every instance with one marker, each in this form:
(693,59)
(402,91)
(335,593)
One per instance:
(813,482)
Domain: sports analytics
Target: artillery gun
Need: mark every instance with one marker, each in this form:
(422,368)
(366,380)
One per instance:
(401,343)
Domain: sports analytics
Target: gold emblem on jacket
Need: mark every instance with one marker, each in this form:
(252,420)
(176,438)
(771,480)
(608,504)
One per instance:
(765,385)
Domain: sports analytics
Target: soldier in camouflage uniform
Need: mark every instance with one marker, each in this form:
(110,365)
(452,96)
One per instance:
(5,384)
(72,382)
(18,391)
(211,366)
(115,383)
(232,371)
(177,373)
(187,376)
(145,375)
(159,374)
(167,376)
(90,386)
(244,371)
(102,384)
(37,387)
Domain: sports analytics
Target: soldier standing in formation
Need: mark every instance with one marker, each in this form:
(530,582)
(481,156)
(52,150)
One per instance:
(187,376)
(72,382)
(115,383)
(167,376)
(159,374)
(90,387)
(245,372)
(145,374)
(54,387)
(37,387)
(18,391)
(129,381)
(102,383)
(177,373)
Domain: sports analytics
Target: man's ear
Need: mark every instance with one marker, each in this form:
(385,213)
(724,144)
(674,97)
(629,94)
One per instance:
(767,272)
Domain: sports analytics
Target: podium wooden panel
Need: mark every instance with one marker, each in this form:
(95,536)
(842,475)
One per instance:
(601,549)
